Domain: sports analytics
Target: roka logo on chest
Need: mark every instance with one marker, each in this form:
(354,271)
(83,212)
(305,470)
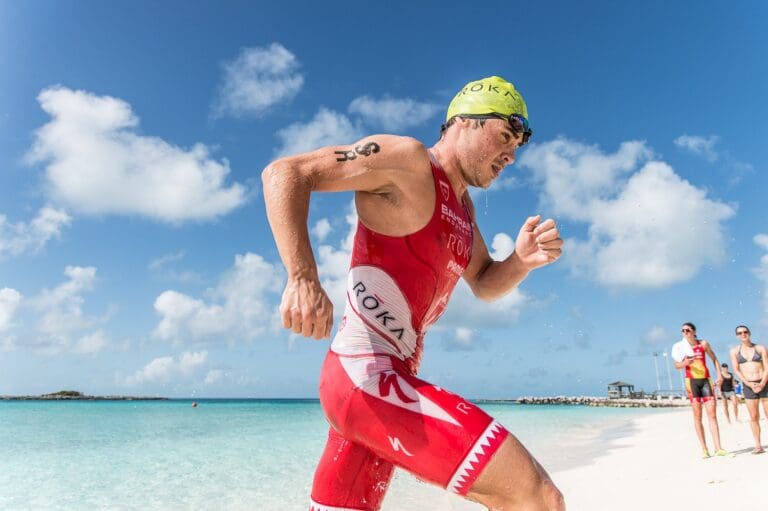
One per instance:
(459,246)
(370,302)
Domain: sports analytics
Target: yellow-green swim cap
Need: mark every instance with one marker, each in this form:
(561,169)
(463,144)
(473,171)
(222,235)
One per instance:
(491,95)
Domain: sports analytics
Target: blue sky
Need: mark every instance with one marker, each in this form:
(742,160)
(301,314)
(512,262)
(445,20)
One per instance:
(135,256)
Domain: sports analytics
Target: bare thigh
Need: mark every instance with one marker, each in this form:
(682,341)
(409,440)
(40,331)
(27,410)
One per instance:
(753,406)
(696,409)
(512,479)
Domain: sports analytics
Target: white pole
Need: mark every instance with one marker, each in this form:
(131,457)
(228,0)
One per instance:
(669,375)
(656,365)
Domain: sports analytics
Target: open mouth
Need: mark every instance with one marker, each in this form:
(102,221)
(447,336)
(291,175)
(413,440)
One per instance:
(496,168)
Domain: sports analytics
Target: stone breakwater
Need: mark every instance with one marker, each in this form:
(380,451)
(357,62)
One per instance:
(603,401)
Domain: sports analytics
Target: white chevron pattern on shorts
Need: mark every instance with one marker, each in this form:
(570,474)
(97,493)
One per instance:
(314,506)
(475,459)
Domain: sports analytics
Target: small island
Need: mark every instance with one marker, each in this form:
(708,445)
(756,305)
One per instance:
(73,395)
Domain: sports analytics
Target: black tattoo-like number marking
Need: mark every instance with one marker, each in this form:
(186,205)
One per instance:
(367,149)
(345,155)
(364,150)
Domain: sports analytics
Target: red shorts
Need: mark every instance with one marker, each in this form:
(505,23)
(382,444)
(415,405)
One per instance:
(382,416)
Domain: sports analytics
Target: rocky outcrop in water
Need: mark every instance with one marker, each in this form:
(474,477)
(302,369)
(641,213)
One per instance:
(602,401)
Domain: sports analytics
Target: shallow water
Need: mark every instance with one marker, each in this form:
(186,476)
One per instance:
(223,454)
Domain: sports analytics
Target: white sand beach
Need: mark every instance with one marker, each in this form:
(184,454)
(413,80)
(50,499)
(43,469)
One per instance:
(660,467)
(657,466)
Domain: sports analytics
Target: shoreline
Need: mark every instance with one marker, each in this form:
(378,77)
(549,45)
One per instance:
(525,400)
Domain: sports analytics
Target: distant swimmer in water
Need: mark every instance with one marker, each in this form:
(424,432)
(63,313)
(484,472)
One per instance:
(689,355)
(194,404)
(750,363)
(416,236)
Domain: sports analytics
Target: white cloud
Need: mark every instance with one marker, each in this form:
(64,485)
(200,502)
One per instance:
(160,262)
(258,79)
(239,308)
(333,264)
(466,310)
(648,230)
(213,376)
(322,229)
(190,360)
(326,128)
(703,146)
(61,317)
(575,176)
(761,240)
(161,265)
(9,303)
(463,339)
(97,164)
(393,114)
(20,237)
(502,246)
(655,339)
(164,369)
(656,335)
(7,343)
(91,343)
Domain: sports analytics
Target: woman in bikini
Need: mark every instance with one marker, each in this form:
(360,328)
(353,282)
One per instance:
(750,364)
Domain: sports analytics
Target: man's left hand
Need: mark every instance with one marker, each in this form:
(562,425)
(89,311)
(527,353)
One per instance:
(538,243)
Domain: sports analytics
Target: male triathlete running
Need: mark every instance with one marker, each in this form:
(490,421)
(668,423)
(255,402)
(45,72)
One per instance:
(416,236)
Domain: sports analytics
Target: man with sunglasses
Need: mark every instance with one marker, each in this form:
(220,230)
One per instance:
(416,235)
(689,355)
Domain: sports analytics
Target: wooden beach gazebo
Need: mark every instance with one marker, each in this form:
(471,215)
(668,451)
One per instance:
(620,389)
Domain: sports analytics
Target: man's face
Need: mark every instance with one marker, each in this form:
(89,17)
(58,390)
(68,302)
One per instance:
(486,149)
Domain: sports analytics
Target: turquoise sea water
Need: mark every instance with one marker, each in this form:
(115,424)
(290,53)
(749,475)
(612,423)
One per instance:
(223,454)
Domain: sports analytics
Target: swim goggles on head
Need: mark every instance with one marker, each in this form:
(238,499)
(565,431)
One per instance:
(517,122)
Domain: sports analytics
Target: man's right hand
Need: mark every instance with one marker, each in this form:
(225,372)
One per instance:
(306,309)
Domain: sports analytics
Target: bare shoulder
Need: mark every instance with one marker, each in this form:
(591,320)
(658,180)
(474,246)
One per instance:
(371,164)
(404,199)
(400,163)
(393,152)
